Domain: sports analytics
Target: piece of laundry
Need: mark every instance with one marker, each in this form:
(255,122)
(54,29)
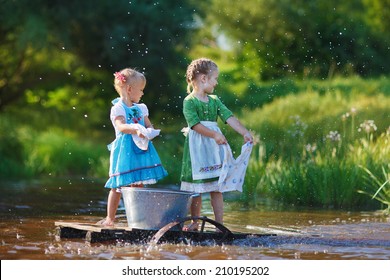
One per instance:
(233,170)
(149,134)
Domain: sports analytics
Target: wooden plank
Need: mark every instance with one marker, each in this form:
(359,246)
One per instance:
(90,227)
(69,232)
(135,236)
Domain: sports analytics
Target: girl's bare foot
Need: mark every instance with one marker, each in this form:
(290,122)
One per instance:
(191,227)
(107,222)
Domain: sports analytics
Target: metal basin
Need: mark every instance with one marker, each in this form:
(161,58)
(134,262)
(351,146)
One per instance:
(149,208)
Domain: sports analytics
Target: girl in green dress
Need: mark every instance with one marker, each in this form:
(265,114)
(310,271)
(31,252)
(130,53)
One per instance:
(203,155)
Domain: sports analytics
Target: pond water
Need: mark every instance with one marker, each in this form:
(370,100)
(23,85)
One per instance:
(30,209)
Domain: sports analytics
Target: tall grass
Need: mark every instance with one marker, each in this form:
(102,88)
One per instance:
(314,144)
(378,189)
(26,152)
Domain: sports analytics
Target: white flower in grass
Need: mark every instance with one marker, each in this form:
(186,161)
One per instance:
(334,136)
(367,126)
(311,148)
(298,127)
(344,117)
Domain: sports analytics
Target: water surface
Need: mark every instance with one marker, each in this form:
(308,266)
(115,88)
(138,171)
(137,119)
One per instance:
(30,209)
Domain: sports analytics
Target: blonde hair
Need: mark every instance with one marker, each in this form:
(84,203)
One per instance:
(198,67)
(126,77)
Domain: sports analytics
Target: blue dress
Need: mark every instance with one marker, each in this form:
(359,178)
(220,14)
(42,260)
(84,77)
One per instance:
(128,163)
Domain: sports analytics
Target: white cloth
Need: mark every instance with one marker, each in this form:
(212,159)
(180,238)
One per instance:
(233,170)
(149,134)
(206,155)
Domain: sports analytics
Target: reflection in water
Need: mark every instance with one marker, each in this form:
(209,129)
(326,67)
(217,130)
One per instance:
(29,211)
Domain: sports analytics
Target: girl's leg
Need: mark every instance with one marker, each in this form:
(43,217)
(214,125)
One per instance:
(196,206)
(114,198)
(217,204)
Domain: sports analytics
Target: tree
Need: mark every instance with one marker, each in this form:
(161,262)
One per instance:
(47,45)
(297,37)
(378,14)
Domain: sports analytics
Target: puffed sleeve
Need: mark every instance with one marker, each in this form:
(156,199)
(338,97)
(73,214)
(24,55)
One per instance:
(223,112)
(190,113)
(144,109)
(117,110)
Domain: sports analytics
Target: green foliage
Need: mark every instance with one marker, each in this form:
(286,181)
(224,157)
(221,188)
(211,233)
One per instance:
(54,44)
(314,113)
(313,143)
(321,180)
(377,189)
(26,152)
(11,151)
(305,39)
(325,185)
(170,149)
(63,156)
(377,15)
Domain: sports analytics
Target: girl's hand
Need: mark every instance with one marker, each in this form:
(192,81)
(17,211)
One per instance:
(140,134)
(219,138)
(248,137)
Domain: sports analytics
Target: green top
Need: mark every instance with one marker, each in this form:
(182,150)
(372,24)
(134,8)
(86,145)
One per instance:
(194,112)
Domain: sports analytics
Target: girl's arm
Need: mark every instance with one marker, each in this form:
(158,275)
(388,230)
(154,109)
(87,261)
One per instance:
(218,137)
(237,126)
(123,127)
(147,122)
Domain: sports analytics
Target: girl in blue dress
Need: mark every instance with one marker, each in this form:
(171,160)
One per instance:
(134,161)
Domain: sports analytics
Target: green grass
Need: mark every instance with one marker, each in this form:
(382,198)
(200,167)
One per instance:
(313,143)
(378,188)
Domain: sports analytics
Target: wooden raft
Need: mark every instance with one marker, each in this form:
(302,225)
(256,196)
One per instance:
(99,233)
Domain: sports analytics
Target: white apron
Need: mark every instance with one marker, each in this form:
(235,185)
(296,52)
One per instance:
(206,154)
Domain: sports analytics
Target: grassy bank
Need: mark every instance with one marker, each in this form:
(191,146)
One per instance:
(315,144)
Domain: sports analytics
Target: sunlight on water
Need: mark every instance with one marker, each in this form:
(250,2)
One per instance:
(27,230)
